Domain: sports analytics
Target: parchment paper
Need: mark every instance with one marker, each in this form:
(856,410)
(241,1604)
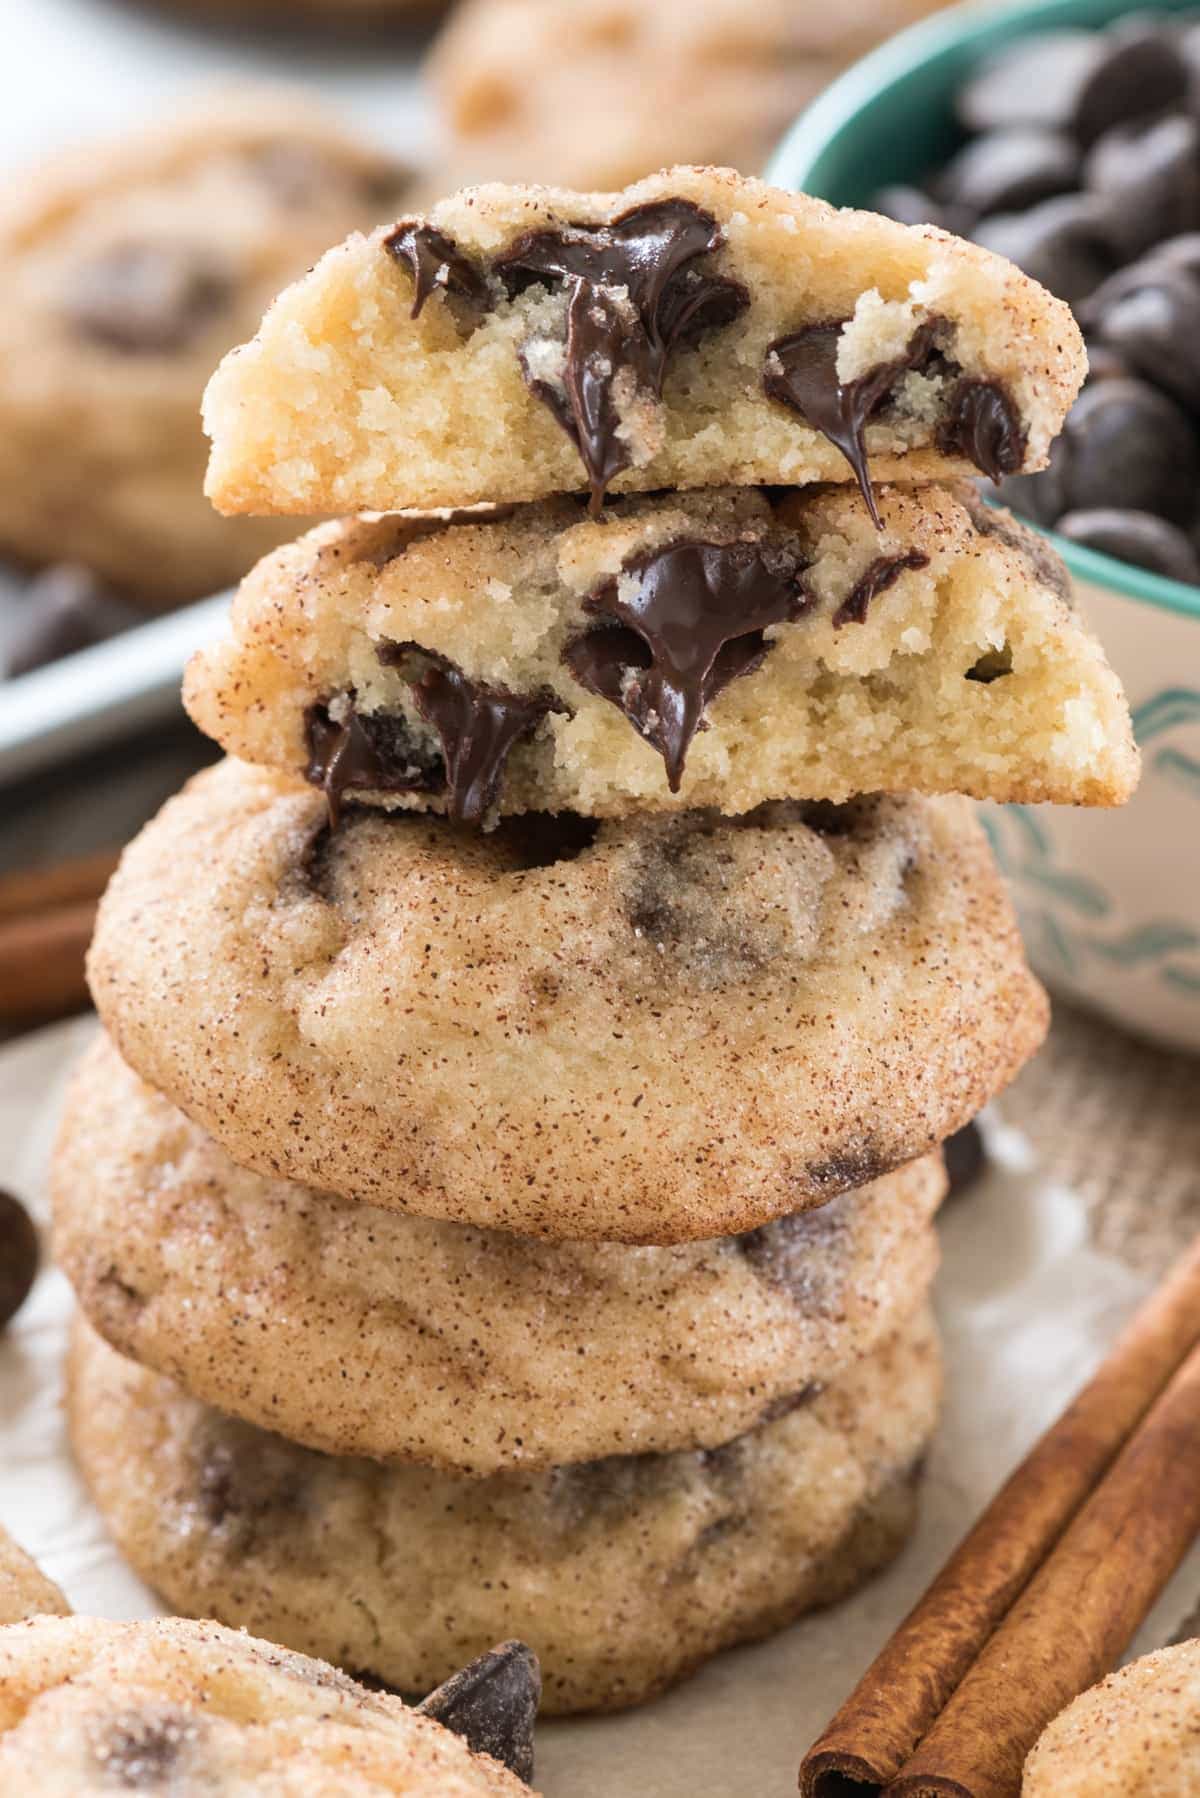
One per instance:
(1026,1308)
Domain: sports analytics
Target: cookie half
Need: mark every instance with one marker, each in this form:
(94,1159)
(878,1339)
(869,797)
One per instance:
(696,329)
(361,1331)
(622,1574)
(720,648)
(656,1030)
(24,1589)
(128,270)
(197,1710)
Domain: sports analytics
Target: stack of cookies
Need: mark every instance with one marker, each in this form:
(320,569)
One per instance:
(502,1204)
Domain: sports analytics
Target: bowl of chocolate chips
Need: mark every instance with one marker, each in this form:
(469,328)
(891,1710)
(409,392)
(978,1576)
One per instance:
(1065,134)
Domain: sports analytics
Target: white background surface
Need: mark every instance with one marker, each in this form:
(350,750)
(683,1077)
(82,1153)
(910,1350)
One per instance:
(1026,1308)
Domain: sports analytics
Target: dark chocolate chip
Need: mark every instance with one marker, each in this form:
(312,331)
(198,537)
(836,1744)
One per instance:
(1178,256)
(801,372)
(966,1158)
(367,752)
(437,265)
(478,727)
(993,665)
(883,572)
(1137,537)
(1142,70)
(1149,179)
(1157,331)
(840,1173)
(1036,81)
(1105,365)
(140,1750)
(911,206)
(1063,243)
(19,1255)
(1004,171)
(634,296)
(1126,445)
(982,424)
(686,620)
(62,610)
(146,299)
(492,1704)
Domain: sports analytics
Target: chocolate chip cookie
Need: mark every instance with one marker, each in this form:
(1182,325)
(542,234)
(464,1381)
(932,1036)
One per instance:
(24,1589)
(127,272)
(623,1574)
(360,1331)
(655,1030)
(596,93)
(1134,1732)
(723,648)
(696,329)
(199,1711)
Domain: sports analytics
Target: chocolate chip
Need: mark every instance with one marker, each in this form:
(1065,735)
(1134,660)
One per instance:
(19,1255)
(61,611)
(1149,178)
(148,298)
(966,1158)
(1156,329)
(1104,365)
(911,206)
(883,572)
(1004,171)
(1063,243)
(686,620)
(1036,81)
(140,1750)
(1126,445)
(1137,537)
(492,1704)
(437,265)
(1179,255)
(982,424)
(366,752)
(801,372)
(633,297)
(993,665)
(853,1166)
(1141,70)
(478,726)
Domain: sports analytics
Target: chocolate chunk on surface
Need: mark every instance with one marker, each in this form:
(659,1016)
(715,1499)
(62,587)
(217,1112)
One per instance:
(683,622)
(19,1256)
(801,372)
(883,572)
(437,265)
(367,752)
(478,725)
(634,296)
(142,1749)
(147,299)
(965,1155)
(983,425)
(492,1704)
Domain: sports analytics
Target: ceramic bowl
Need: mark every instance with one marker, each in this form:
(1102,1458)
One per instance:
(1109,901)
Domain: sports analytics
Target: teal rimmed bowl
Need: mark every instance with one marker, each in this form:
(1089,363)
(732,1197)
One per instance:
(1109,901)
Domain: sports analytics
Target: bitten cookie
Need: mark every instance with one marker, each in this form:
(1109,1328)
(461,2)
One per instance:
(652,1031)
(24,1589)
(199,1711)
(714,648)
(622,1574)
(1135,1733)
(697,329)
(361,1331)
(596,93)
(127,272)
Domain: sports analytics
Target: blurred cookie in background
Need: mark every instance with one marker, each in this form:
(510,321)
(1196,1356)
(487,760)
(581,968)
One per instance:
(595,93)
(128,270)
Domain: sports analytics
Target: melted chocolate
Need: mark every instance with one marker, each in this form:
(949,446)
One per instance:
(478,726)
(879,576)
(690,621)
(19,1256)
(374,752)
(983,425)
(436,263)
(492,1705)
(634,297)
(801,371)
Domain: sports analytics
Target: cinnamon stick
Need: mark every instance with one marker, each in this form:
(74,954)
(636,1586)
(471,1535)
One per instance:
(42,961)
(1079,1612)
(33,890)
(911,1682)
